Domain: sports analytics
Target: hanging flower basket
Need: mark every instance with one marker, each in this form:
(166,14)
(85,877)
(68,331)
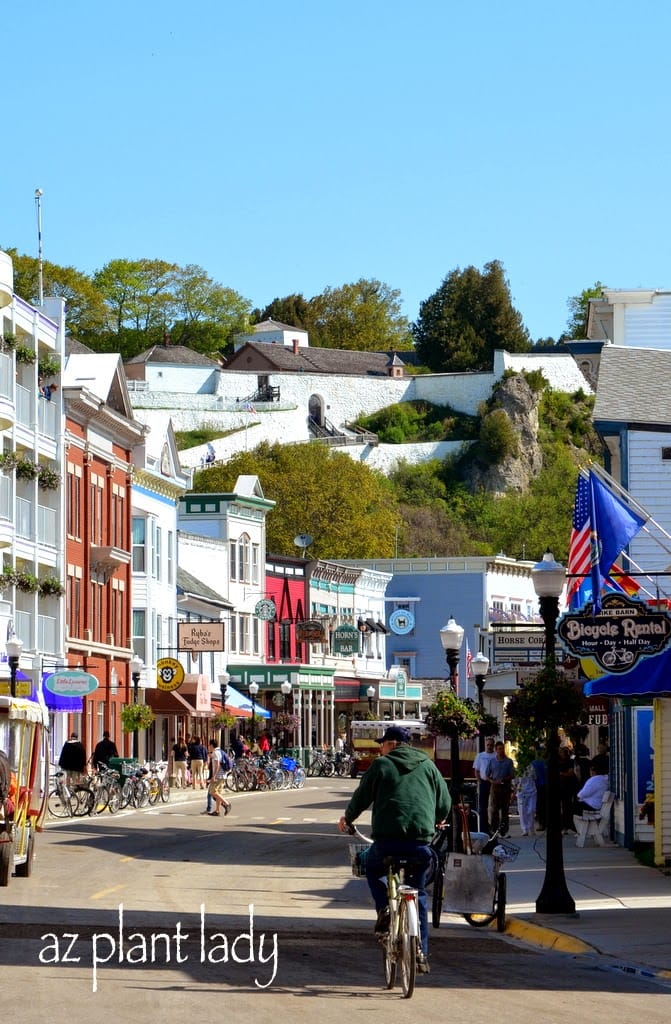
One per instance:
(544,704)
(47,478)
(451,715)
(51,586)
(24,581)
(224,720)
(285,723)
(136,716)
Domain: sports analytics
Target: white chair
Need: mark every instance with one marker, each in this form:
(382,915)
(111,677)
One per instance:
(594,823)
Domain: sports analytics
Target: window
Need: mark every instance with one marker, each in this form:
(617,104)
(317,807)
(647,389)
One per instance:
(139,529)
(73,588)
(244,633)
(243,559)
(73,500)
(233,547)
(116,612)
(139,638)
(96,520)
(158,540)
(117,516)
(95,623)
(256,640)
(270,641)
(285,641)
(256,551)
(170,557)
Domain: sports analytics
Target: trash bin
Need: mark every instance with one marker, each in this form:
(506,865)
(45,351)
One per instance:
(122,766)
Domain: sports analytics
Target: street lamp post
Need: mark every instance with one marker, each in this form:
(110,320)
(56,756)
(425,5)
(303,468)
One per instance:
(223,686)
(479,666)
(14,647)
(286,690)
(253,691)
(370,693)
(554,898)
(136,667)
(451,638)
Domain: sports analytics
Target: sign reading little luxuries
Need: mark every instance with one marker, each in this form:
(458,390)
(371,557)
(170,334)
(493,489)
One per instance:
(618,636)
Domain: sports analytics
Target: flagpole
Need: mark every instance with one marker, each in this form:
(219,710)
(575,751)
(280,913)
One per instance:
(607,479)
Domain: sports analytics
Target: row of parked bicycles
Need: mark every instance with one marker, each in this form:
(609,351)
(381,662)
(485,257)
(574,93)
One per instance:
(104,790)
(265,772)
(327,763)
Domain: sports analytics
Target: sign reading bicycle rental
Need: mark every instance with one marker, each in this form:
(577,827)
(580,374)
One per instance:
(73,683)
(200,636)
(618,636)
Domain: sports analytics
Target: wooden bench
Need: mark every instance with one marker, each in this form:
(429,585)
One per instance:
(594,823)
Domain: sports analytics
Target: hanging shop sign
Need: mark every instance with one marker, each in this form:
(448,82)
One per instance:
(169,674)
(71,683)
(310,632)
(199,637)
(401,621)
(265,609)
(346,640)
(618,636)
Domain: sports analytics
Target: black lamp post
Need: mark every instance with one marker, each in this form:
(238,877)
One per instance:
(370,693)
(554,898)
(14,647)
(286,690)
(479,667)
(451,638)
(223,686)
(136,667)
(253,691)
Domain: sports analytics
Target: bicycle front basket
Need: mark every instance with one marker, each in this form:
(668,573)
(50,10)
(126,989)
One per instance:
(505,851)
(358,855)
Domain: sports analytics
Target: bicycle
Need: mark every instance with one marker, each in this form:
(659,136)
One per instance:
(401,947)
(66,801)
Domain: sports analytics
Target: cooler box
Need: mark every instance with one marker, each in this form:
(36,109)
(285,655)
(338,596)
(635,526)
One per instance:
(123,766)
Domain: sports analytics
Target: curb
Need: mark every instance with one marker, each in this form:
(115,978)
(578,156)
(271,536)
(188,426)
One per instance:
(546,938)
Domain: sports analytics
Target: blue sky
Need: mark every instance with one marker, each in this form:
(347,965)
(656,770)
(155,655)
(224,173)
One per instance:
(287,147)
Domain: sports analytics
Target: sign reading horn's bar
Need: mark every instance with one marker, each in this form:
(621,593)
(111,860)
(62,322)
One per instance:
(618,636)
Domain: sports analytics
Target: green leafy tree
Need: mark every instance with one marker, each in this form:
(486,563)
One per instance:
(578,306)
(365,316)
(206,315)
(85,310)
(293,310)
(470,316)
(348,509)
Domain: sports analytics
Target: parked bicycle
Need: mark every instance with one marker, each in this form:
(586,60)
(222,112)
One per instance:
(68,801)
(401,944)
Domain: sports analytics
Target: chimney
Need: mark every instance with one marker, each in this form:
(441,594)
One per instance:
(294,344)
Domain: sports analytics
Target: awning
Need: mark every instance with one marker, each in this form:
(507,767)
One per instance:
(171,702)
(59,702)
(652,676)
(236,702)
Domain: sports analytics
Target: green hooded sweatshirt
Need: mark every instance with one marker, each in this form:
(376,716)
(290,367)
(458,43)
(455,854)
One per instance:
(408,794)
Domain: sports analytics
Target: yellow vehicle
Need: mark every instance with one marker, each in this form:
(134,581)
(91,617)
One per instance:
(24,762)
(365,735)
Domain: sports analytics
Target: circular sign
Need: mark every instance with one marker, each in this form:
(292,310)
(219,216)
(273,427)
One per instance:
(169,674)
(72,683)
(401,621)
(265,609)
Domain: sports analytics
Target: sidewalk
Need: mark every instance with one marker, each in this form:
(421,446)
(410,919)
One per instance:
(623,910)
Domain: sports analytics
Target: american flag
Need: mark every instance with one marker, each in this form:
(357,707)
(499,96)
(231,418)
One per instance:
(579,559)
(469,661)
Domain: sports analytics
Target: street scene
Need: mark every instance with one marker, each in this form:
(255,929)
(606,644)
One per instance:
(164,910)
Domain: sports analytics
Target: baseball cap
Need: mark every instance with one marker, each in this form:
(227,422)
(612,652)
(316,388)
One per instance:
(394,732)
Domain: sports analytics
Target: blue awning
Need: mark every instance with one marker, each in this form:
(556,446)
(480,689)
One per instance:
(235,699)
(58,702)
(651,677)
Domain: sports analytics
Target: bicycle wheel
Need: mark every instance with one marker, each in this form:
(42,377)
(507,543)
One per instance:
(407,948)
(165,791)
(140,793)
(114,802)
(126,794)
(501,887)
(389,948)
(154,791)
(83,801)
(299,778)
(438,893)
(58,805)
(100,800)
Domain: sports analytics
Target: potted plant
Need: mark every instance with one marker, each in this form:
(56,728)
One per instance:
(26,469)
(285,723)
(51,586)
(224,720)
(8,343)
(48,479)
(24,354)
(136,716)
(48,366)
(8,461)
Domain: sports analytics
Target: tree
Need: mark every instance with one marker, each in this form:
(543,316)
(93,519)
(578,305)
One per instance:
(139,293)
(365,316)
(206,315)
(470,316)
(578,306)
(348,509)
(293,310)
(85,310)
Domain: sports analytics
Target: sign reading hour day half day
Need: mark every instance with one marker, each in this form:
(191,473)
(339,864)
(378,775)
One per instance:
(200,636)
(71,683)
(619,635)
(169,674)
(346,640)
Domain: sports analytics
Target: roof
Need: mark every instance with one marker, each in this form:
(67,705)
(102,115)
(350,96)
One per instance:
(633,386)
(177,355)
(313,360)
(189,585)
(274,325)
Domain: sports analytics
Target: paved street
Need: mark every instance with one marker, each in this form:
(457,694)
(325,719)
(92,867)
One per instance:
(171,886)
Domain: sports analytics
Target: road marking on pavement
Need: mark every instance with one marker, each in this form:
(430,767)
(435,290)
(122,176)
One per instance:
(106,892)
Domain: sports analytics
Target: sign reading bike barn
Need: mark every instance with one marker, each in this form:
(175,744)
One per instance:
(618,636)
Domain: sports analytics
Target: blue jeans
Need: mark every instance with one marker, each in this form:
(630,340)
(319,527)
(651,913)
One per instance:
(417,875)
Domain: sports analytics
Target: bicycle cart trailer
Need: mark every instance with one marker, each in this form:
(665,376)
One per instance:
(473,883)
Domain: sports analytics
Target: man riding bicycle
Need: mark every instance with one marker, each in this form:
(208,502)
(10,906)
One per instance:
(409,797)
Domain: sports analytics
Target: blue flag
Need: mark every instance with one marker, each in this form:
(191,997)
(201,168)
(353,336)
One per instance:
(613,524)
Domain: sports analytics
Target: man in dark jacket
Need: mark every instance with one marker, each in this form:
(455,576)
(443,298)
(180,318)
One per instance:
(409,798)
(73,757)
(105,749)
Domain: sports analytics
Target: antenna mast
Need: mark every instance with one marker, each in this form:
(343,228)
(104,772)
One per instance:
(40,277)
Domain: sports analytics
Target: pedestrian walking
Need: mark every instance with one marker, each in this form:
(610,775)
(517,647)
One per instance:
(525,788)
(103,751)
(197,757)
(219,765)
(500,773)
(480,763)
(180,753)
(73,758)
